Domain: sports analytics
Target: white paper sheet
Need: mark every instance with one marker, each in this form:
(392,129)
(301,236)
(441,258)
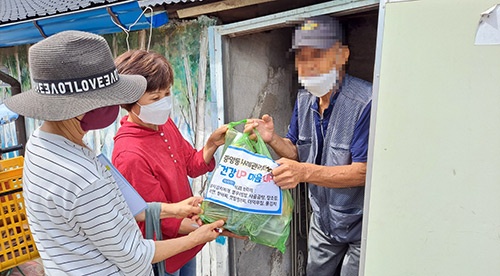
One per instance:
(488,30)
(134,201)
(243,182)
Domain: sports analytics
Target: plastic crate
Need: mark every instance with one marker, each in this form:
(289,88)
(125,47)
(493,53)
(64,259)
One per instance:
(16,241)
(11,163)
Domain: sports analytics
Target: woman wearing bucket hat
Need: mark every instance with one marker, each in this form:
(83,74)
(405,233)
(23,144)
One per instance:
(79,219)
(154,157)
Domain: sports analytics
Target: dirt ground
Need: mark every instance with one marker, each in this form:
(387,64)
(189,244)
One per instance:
(30,268)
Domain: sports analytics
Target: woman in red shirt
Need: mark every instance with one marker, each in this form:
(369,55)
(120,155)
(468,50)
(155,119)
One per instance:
(153,156)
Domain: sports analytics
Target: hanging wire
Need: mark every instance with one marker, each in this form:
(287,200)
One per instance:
(150,28)
(127,31)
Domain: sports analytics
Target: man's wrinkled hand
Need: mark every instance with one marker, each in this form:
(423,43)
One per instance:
(264,126)
(289,173)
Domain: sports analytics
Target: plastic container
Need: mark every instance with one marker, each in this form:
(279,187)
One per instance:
(270,230)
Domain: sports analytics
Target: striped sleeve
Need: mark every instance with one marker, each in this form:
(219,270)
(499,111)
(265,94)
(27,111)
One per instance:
(104,218)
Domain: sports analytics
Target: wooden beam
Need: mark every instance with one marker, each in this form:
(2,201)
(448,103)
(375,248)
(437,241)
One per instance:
(293,17)
(217,7)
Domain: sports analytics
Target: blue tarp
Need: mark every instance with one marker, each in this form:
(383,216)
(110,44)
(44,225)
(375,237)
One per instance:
(8,137)
(6,116)
(96,21)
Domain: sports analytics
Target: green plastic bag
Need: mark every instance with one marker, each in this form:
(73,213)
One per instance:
(270,230)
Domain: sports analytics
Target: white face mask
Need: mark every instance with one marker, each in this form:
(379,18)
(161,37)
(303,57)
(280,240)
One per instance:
(156,113)
(320,85)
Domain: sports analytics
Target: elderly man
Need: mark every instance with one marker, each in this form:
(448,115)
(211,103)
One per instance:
(326,145)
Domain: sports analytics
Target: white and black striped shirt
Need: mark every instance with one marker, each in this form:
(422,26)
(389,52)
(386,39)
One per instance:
(78,216)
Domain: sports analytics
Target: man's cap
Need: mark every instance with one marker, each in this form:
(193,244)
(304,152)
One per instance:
(72,73)
(319,32)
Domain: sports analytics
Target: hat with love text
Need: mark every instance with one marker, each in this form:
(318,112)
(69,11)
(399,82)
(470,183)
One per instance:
(72,73)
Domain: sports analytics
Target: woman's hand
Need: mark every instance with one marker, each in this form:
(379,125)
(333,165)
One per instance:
(183,209)
(207,232)
(188,225)
(187,208)
(216,139)
(167,248)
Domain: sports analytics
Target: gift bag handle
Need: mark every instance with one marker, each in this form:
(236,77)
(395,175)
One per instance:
(233,124)
(153,230)
(253,143)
